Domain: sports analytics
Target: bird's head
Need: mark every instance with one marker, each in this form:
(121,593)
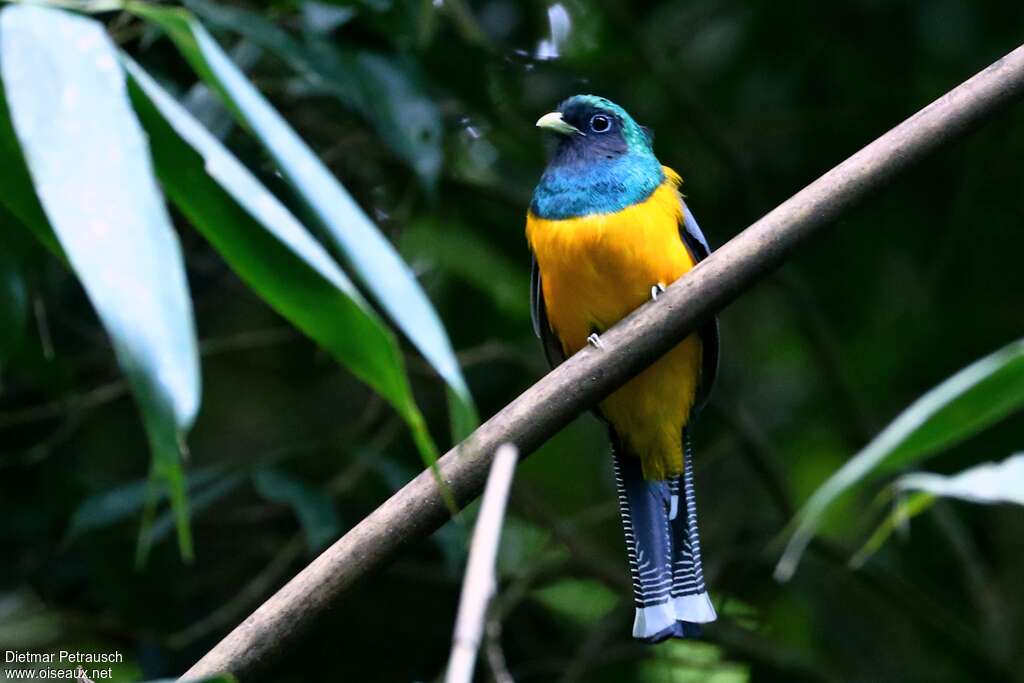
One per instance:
(603,162)
(592,129)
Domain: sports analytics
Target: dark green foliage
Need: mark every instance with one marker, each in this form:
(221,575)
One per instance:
(425,115)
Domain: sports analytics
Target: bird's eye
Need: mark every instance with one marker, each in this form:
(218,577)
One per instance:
(599,123)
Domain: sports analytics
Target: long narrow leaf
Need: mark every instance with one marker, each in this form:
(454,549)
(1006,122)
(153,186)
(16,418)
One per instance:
(987,483)
(90,166)
(990,482)
(18,195)
(904,509)
(386,92)
(371,256)
(265,244)
(967,402)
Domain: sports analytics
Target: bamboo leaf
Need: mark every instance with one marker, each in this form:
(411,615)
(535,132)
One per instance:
(977,396)
(387,92)
(989,483)
(374,260)
(265,244)
(904,509)
(581,602)
(18,194)
(118,503)
(314,508)
(89,163)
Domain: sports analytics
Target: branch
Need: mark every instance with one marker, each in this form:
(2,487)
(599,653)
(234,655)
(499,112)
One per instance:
(479,584)
(582,381)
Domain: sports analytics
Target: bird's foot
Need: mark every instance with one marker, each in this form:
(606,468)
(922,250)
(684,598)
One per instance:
(656,290)
(595,341)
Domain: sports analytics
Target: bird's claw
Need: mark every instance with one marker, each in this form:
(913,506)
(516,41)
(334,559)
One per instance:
(656,290)
(595,341)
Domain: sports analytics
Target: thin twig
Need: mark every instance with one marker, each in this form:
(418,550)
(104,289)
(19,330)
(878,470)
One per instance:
(104,393)
(495,652)
(479,584)
(630,346)
(255,589)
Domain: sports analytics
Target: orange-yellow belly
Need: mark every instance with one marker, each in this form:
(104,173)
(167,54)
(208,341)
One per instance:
(597,269)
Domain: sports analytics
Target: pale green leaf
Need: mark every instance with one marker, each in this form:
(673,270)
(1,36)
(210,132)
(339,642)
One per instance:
(581,602)
(991,482)
(89,163)
(312,506)
(265,244)
(18,194)
(977,396)
(988,483)
(370,255)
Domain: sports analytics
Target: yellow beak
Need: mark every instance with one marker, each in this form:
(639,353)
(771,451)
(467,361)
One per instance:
(555,123)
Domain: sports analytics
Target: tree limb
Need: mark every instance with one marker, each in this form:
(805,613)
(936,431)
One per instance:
(630,346)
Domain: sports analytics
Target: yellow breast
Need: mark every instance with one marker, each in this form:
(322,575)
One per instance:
(597,269)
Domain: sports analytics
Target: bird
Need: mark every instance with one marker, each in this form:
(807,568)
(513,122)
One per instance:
(609,230)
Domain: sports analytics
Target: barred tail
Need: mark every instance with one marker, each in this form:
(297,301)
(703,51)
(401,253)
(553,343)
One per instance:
(663,551)
(689,593)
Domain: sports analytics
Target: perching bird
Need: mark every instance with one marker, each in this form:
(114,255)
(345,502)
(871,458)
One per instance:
(608,231)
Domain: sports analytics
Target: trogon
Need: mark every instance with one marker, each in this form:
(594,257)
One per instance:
(608,230)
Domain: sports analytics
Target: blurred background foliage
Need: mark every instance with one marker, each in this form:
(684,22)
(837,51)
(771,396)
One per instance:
(424,111)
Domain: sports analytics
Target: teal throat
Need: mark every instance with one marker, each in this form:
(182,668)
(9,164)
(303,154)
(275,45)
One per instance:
(606,186)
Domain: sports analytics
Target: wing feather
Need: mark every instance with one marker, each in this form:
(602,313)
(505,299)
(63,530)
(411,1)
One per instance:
(699,249)
(539,315)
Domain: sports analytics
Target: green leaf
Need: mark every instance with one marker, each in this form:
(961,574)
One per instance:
(462,253)
(990,482)
(108,507)
(202,497)
(312,506)
(691,661)
(987,483)
(118,503)
(374,260)
(390,97)
(265,244)
(90,166)
(581,602)
(26,622)
(386,92)
(463,417)
(527,548)
(972,399)
(323,18)
(18,195)
(905,508)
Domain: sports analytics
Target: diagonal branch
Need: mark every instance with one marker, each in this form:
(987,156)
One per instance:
(418,509)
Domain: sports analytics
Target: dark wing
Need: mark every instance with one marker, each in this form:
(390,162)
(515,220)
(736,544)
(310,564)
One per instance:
(699,248)
(552,347)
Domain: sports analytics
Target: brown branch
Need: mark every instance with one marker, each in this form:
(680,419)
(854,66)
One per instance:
(417,509)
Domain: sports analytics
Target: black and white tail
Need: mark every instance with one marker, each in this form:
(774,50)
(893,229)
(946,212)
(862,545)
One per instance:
(663,548)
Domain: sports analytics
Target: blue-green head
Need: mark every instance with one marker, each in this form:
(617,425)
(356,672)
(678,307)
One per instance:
(604,160)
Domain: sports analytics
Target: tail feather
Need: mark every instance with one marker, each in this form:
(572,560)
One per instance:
(663,550)
(642,505)
(689,593)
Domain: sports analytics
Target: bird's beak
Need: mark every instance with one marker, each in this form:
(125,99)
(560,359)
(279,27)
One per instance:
(555,123)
